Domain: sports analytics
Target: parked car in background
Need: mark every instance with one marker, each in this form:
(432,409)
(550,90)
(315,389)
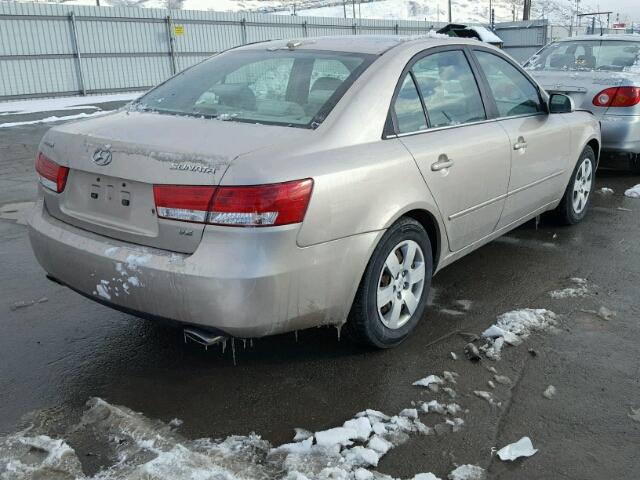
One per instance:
(285,185)
(602,75)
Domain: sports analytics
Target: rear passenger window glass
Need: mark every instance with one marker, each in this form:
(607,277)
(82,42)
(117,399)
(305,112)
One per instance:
(513,92)
(326,77)
(449,89)
(408,108)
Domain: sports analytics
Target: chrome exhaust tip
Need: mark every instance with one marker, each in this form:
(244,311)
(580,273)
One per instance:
(203,337)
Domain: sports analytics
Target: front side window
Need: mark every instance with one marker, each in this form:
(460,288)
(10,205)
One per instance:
(587,55)
(282,87)
(408,108)
(513,92)
(449,89)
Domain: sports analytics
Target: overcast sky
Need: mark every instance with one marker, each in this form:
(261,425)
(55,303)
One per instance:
(626,8)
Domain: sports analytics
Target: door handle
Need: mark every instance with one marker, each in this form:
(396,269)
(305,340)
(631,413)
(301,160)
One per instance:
(520,144)
(442,163)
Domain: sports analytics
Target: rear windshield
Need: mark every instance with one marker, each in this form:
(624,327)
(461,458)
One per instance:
(280,87)
(587,55)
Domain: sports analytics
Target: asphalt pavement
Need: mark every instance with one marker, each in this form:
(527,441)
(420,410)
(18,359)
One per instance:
(58,349)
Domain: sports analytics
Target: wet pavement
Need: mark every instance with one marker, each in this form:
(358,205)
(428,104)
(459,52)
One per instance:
(63,349)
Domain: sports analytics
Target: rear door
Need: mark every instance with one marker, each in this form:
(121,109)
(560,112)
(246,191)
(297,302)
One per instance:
(440,117)
(540,143)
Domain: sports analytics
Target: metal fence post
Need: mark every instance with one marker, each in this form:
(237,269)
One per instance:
(304,29)
(243,25)
(355,28)
(396,29)
(172,50)
(76,44)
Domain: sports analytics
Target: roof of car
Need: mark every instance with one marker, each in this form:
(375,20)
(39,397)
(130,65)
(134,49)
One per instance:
(621,36)
(371,44)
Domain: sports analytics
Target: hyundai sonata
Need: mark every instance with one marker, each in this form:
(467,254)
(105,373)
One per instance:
(290,184)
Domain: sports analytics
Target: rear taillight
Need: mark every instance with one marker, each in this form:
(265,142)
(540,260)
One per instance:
(183,202)
(51,175)
(617,97)
(243,206)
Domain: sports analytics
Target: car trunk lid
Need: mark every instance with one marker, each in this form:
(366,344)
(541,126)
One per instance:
(583,86)
(115,161)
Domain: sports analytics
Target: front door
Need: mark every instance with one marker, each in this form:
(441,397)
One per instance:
(540,143)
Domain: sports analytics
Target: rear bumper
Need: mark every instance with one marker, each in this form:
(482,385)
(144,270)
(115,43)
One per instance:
(620,133)
(243,282)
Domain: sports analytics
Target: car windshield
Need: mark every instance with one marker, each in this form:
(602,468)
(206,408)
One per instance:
(588,55)
(281,87)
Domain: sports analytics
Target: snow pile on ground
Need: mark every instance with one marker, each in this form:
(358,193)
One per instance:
(40,456)
(63,103)
(52,119)
(633,192)
(515,326)
(580,290)
(606,191)
(468,472)
(140,448)
(521,448)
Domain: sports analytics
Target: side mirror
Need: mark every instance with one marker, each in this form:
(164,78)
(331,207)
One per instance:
(559,103)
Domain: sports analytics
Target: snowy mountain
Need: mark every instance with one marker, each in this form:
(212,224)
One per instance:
(463,11)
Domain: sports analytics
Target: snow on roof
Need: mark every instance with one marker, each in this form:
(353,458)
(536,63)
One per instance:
(485,34)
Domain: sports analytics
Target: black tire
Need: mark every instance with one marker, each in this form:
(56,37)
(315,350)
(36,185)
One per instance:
(364,324)
(566,212)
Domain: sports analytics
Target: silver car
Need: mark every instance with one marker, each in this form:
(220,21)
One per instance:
(602,75)
(290,184)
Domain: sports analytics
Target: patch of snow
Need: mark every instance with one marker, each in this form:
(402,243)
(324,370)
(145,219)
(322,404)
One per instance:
(62,103)
(521,448)
(175,423)
(37,456)
(605,191)
(361,456)
(52,119)
(502,379)
(485,34)
(549,392)
(379,444)
(362,427)
(425,476)
(468,472)
(103,289)
(426,381)
(454,356)
(580,290)
(633,192)
(336,437)
(486,396)
(409,413)
(301,434)
(606,314)
(635,414)
(523,322)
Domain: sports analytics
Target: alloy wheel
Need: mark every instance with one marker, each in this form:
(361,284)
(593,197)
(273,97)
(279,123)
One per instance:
(582,186)
(400,284)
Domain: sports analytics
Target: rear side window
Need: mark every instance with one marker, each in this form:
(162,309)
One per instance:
(408,108)
(449,89)
(513,92)
(282,87)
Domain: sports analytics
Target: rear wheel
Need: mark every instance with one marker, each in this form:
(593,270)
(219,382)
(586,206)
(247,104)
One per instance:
(392,295)
(577,196)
